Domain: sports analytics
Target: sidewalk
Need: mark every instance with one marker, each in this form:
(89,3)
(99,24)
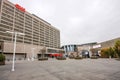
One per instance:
(86,69)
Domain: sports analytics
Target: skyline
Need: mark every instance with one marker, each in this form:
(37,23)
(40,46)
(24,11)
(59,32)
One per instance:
(79,21)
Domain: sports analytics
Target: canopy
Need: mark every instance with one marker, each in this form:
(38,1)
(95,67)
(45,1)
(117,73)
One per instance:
(56,54)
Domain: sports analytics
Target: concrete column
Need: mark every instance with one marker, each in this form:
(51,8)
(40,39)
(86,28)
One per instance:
(65,49)
(72,48)
(90,53)
(68,48)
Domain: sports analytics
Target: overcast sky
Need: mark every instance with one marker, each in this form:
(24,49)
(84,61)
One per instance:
(79,21)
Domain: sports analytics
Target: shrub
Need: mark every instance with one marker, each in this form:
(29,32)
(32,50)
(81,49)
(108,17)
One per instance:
(108,52)
(104,53)
(111,52)
(117,48)
(2,58)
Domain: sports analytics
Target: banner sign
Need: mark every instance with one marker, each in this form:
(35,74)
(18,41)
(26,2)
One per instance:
(20,8)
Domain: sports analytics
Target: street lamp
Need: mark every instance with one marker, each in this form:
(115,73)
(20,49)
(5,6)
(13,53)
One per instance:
(15,34)
(33,56)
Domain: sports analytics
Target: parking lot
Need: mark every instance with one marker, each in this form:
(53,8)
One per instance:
(70,69)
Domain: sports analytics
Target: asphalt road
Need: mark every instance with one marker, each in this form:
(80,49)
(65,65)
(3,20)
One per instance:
(70,69)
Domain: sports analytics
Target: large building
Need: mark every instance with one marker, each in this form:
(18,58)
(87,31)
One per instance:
(109,43)
(80,48)
(38,32)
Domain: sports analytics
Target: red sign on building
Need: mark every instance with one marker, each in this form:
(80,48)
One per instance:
(19,7)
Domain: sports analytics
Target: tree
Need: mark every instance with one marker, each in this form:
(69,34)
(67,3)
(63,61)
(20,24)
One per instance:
(108,52)
(117,48)
(104,53)
(111,52)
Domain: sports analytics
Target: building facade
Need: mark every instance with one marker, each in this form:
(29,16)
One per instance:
(69,48)
(108,43)
(79,49)
(37,31)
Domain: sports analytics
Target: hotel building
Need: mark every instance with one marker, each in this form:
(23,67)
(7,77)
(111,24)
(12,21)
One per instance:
(38,32)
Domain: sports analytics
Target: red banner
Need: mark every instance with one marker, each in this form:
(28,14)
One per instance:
(56,55)
(19,7)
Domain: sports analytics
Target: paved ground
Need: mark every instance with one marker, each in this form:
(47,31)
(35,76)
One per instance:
(86,69)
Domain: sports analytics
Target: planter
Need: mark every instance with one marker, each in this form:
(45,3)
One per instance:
(83,57)
(71,57)
(94,57)
(78,58)
(61,58)
(2,62)
(118,59)
(42,59)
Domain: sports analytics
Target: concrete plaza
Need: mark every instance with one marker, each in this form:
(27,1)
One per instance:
(85,69)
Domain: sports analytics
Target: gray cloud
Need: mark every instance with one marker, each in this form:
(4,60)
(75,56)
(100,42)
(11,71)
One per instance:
(80,21)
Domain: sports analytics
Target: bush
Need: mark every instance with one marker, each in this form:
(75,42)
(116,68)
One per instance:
(111,52)
(104,53)
(2,58)
(117,48)
(108,52)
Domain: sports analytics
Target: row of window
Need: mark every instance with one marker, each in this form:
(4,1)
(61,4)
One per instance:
(7,11)
(35,30)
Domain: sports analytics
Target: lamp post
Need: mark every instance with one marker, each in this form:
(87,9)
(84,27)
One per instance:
(33,56)
(15,34)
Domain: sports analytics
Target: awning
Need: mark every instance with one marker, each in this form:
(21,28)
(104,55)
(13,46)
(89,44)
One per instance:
(56,54)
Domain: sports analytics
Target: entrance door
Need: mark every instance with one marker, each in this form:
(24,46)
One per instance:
(85,53)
